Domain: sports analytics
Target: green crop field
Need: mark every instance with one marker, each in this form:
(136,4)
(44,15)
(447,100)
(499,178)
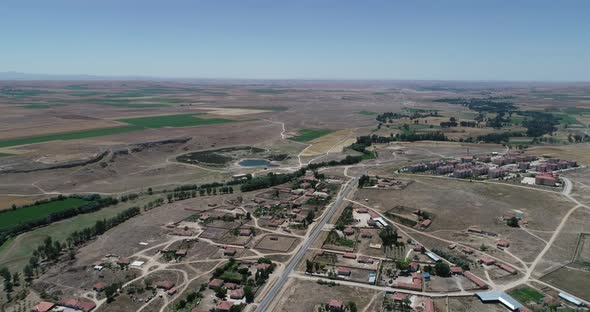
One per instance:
(184,120)
(271,108)
(125,103)
(15,252)
(135,124)
(567,119)
(5,155)
(68,136)
(11,218)
(305,135)
(367,113)
(36,106)
(525,295)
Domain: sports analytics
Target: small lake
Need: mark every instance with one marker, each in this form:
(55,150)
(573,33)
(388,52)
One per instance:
(256,163)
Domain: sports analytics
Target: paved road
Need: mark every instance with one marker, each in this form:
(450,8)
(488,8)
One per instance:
(274,291)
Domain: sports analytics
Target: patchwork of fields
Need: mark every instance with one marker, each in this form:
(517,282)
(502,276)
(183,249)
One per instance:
(134,124)
(12,218)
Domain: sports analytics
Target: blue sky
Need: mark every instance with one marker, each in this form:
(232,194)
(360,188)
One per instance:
(438,39)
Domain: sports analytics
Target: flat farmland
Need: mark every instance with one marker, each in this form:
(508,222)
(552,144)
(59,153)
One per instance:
(333,142)
(133,124)
(304,296)
(15,253)
(305,135)
(11,218)
(480,204)
(276,243)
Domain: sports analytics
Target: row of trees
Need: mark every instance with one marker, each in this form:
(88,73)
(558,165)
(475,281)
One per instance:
(94,203)
(51,250)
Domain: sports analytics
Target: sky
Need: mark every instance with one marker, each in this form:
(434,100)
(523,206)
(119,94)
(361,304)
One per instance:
(531,40)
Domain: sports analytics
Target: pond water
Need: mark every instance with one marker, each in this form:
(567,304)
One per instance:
(256,163)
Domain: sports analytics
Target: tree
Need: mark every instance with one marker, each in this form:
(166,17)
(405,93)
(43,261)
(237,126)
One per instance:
(16,278)
(308,266)
(403,264)
(110,292)
(351,306)
(310,216)
(220,292)
(388,236)
(28,272)
(249,294)
(150,191)
(442,269)
(513,222)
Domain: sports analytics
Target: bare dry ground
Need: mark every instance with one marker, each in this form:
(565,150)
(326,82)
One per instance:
(303,296)
(479,204)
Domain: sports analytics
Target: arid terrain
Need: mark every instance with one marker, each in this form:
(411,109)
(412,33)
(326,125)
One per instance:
(294,196)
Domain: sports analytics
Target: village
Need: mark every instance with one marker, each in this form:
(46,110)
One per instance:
(530,169)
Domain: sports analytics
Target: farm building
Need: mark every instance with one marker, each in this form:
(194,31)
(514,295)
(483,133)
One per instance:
(476,280)
(546,179)
(487,260)
(571,299)
(498,296)
(343,271)
(456,270)
(502,243)
(43,306)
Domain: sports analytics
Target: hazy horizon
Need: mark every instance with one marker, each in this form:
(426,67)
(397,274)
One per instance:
(456,40)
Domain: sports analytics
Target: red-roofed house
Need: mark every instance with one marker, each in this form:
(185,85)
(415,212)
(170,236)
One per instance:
(418,248)
(231,286)
(426,223)
(398,296)
(237,294)
(262,266)
(456,270)
(429,306)
(166,285)
(86,306)
(215,283)
(366,260)
(100,286)
(468,250)
(487,260)
(224,306)
(43,306)
(343,271)
(336,305)
(480,284)
(366,234)
(503,243)
(200,310)
(507,268)
(349,255)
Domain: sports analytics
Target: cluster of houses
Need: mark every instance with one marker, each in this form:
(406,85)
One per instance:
(65,303)
(467,166)
(497,167)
